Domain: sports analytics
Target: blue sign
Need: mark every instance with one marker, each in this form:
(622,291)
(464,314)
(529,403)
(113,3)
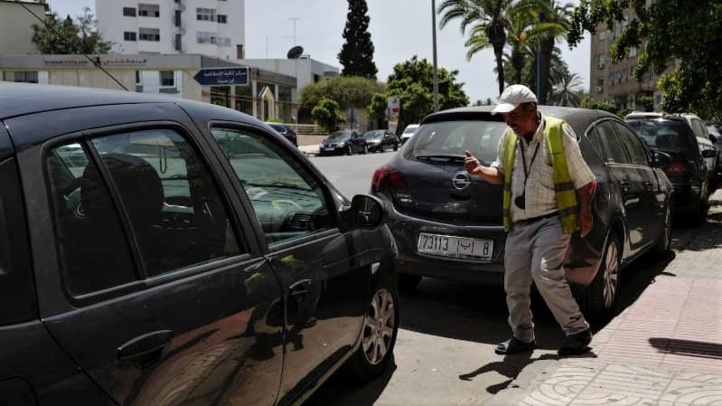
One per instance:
(222,76)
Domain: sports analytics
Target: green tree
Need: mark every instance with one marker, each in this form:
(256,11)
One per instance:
(326,115)
(682,33)
(357,53)
(351,91)
(62,37)
(567,90)
(412,82)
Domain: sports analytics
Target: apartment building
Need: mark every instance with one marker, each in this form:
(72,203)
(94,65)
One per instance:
(16,20)
(614,83)
(207,27)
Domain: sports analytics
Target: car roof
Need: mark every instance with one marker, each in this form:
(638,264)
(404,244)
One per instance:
(17,99)
(571,115)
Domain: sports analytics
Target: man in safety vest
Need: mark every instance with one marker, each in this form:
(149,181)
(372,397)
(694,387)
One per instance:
(547,187)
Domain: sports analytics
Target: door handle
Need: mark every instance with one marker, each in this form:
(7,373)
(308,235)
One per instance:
(300,288)
(145,350)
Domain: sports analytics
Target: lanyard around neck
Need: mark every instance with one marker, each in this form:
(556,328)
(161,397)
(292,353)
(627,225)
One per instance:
(523,159)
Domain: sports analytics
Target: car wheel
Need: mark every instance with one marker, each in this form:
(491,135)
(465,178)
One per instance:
(665,240)
(381,326)
(601,296)
(382,149)
(349,150)
(365,149)
(396,146)
(408,282)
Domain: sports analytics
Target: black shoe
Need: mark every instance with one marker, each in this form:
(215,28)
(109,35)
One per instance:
(576,344)
(513,346)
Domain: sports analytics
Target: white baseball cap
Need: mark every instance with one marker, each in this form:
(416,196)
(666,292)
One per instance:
(512,97)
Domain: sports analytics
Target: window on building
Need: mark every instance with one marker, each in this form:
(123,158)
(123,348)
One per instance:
(130,36)
(149,34)
(128,11)
(21,76)
(222,19)
(149,10)
(223,42)
(239,51)
(167,78)
(205,14)
(206,37)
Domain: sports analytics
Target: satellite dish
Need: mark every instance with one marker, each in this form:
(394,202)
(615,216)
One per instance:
(295,52)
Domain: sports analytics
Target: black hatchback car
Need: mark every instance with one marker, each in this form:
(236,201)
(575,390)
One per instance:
(343,142)
(688,171)
(449,225)
(157,252)
(381,140)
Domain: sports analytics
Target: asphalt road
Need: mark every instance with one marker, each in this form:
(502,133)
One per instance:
(445,349)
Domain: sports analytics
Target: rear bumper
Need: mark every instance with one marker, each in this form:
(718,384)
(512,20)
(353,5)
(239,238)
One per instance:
(406,230)
(685,197)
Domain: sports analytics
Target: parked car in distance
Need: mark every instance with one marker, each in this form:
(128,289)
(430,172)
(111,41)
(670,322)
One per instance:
(343,142)
(285,130)
(408,132)
(715,135)
(687,171)
(158,251)
(699,129)
(380,140)
(448,225)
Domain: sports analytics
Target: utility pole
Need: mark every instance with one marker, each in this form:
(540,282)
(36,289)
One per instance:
(433,35)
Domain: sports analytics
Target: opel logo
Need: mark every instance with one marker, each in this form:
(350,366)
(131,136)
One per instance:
(461,181)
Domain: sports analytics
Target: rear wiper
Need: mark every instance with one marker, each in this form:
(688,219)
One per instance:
(441,157)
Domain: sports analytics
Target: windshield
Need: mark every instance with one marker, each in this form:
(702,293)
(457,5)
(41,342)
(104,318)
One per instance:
(410,129)
(337,136)
(373,134)
(452,138)
(662,133)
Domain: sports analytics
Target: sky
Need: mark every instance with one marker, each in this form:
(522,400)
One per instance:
(399,30)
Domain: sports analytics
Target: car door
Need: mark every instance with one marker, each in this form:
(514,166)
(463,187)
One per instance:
(705,144)
(626,180)
(653,198)
(145,276)
(325,273)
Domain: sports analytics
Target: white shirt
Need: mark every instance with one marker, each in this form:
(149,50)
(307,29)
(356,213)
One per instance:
(540,194)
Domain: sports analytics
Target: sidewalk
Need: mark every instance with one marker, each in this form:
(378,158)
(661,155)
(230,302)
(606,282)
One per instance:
(665,349)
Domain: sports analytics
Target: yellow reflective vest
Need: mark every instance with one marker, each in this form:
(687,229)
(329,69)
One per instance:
(566,196)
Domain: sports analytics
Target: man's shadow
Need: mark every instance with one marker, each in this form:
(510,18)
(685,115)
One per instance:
(511,365)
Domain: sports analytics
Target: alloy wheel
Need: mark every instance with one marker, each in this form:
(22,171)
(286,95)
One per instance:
(379,327)
(611,274)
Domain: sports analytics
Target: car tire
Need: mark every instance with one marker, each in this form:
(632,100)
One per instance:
(396,147)
(600,298)
(382,149)
(365,149)
(664,244)
(408,282)
(349,150)
(378,336)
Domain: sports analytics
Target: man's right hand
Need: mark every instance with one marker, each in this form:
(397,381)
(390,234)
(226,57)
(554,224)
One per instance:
(471,164)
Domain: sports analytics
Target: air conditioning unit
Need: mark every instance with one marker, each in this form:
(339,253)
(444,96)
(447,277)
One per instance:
(600,89)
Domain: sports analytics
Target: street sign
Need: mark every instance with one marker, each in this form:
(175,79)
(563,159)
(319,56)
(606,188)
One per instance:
(393,107)
(222,76)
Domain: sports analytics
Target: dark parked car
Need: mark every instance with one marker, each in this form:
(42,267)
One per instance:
(286,131)
(343,142)
(688,170)
(449,225)
(157,251)
(380,140)
(715,135)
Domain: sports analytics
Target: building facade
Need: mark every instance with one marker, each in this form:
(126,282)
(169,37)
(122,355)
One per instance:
(614,83)
(16,23)
(208,27)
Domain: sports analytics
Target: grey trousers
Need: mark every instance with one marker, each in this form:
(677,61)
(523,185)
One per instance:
(536,252)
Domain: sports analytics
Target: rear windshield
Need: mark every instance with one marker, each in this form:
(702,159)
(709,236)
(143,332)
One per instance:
(663,133)
(452,138)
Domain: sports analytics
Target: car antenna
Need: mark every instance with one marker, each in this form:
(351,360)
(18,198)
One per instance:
(95,62)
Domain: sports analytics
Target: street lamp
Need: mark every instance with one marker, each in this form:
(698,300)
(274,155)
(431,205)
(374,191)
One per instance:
(433,35)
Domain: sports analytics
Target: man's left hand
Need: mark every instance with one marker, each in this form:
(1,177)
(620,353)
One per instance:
(585,223)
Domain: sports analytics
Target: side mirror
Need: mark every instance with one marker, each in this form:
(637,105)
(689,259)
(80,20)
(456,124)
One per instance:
(709,153)
(661,159)
(367,211)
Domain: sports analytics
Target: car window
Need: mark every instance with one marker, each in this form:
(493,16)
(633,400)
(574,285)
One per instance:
(337,136)
(700,129)
(481,138)
(93,249)
(287,200)
(17,295)
(663,134)
(611,144)
(635,148)
(172,207)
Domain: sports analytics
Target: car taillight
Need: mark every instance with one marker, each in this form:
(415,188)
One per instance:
(388,178)
(678,167)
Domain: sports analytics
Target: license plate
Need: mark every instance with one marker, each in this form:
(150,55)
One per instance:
(329,148)
(452,246)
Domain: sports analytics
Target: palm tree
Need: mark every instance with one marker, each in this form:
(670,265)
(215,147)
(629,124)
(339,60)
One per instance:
(567,90)
(490,24)
(558,16)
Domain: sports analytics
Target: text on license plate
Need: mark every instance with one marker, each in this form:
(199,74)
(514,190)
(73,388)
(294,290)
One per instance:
(452,246)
